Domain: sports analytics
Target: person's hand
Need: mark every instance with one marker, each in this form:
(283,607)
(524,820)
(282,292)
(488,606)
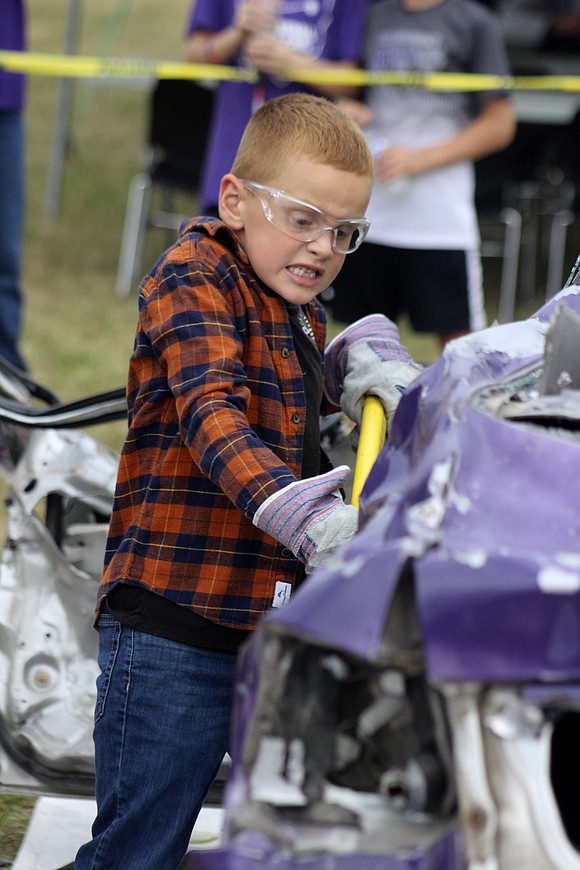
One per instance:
(395,161)
(256,16)
(355,110)
(369,376)
(368,359)
(566,25)
(270,55)
(310,517)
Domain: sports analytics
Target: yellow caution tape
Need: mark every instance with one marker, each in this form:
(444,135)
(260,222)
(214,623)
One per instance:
(77,66)
(373,431)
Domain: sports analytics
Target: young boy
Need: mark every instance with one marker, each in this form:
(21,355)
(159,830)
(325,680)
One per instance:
(222,496)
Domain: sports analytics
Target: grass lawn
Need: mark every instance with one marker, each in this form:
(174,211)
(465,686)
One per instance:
(78,334)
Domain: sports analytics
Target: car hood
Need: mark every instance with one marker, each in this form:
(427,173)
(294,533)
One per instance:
(484,505)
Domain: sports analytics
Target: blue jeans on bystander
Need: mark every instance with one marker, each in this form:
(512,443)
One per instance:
(162,727)
(11,228)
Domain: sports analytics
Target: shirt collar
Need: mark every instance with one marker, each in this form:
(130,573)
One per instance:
(215,228)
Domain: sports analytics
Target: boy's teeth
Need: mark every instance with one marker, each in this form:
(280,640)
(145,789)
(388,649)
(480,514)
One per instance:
(300,270)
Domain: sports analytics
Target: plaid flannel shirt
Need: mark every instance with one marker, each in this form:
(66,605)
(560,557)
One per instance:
(216,423)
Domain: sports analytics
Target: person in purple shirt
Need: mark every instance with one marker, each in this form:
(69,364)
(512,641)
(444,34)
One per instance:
(12,95)
(273,36)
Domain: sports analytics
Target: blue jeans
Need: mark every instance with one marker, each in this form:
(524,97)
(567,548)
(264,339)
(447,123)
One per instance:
(162,727)
(11,227)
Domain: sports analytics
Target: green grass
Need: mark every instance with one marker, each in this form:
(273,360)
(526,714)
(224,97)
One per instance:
(77,333)
(14,817)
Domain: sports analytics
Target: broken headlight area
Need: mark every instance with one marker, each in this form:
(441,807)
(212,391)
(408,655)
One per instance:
(340,744)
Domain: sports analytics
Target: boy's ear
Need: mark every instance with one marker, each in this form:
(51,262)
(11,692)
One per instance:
(230,195)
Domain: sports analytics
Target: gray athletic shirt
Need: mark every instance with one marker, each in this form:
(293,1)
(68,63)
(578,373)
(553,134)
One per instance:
(452,36)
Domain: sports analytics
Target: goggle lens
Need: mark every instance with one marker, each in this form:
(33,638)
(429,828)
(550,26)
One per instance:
(306,223)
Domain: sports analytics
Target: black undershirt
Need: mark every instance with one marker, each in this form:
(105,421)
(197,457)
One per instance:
(149,612)
(310,364)
(146,611)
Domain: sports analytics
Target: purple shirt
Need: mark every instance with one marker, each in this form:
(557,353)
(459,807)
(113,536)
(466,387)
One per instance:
(327,29)
(11,39)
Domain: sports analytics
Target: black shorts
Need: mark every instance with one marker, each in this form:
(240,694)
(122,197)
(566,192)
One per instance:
(440,291)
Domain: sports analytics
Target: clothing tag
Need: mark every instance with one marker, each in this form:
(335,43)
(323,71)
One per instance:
(281,594)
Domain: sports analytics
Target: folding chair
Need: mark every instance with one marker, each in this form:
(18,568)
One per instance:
(500,224)
(179,117)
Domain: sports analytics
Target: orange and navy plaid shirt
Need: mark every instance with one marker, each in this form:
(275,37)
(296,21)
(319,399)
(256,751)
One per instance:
(216,424)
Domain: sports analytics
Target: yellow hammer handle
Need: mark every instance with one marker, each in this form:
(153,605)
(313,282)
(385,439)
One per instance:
(373,431)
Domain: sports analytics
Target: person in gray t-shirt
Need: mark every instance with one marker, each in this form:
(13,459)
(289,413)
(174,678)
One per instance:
(421,256)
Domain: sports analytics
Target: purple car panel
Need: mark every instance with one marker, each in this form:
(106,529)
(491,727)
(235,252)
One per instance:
(417,702)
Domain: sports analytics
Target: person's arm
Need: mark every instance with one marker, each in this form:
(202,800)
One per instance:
(492,130)
(356,110)
(252,31)
(565,25)
(524,23)
(205,46)
(274,58)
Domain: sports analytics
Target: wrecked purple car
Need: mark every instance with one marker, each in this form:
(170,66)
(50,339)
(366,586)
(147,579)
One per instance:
(417,703)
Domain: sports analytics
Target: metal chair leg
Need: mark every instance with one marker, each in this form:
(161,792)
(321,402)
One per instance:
(557,249)
(512,219)
(134,230)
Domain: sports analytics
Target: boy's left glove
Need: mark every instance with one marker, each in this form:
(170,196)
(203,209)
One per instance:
(309,516)
(367,358)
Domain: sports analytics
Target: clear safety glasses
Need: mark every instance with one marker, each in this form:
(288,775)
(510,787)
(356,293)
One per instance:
(305,222)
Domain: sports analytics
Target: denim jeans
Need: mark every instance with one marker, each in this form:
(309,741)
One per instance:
(162,727)
(11,227)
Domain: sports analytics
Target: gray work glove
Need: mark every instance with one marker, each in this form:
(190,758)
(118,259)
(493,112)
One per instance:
(310,517)
(367,358)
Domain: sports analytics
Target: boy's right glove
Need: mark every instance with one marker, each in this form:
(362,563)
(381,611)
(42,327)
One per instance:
(367,358)
(309,516)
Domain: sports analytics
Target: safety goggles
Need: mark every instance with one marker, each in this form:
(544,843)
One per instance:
(305,222)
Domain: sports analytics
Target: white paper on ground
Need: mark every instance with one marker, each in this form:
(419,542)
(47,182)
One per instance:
(59,826)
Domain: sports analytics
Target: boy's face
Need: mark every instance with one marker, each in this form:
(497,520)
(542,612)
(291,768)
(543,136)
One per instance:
(298,270)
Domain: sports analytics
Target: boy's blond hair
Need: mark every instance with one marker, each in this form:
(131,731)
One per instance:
(296,126)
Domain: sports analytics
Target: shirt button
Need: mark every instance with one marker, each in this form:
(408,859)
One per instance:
(285,353)
(286,552)
(296,418)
